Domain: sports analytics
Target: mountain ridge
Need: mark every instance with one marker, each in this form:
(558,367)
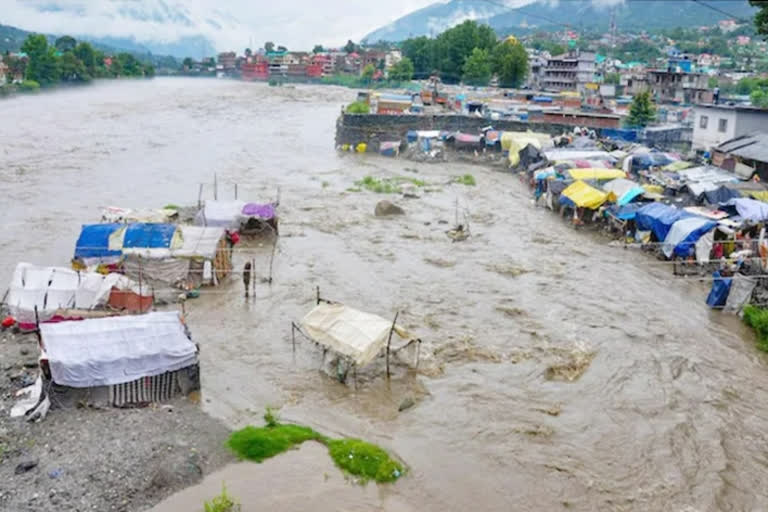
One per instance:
(547,16)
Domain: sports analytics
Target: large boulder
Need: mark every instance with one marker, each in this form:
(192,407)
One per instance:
(385,208)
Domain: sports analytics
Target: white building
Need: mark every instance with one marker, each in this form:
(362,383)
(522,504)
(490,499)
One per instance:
(570,71)
(715,124)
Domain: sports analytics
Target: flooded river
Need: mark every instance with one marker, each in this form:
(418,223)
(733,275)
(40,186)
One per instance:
(670,414)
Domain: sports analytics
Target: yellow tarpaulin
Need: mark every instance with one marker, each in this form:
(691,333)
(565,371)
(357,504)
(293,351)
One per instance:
(597,174)
(677,166)
(585,196)
(654,189)
(760,195)
(516,141)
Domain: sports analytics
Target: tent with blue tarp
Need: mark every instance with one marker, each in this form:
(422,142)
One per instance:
(148,236)
(684,234)
(658,218)
(412,135)
(94,241)
(626,212)
(542,99)
(718,295)
(749,209)
(625,191)
(619,134)
(722,194)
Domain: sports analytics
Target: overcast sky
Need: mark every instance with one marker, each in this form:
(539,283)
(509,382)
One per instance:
(297,24)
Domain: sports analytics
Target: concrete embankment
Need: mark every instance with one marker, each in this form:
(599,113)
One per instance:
(373,129)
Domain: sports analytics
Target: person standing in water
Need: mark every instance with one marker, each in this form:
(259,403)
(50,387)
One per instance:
(247,277)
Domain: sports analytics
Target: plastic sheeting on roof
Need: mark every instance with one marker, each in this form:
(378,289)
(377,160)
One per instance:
(626,212)
(582,195)
(623,190)
(596,174)
(750,209)
(199,242)
(658,218)
(224,214)
(51,288)
(351,333)
(93,241)
(721,194)
(148,236)
(555,155)
(129,215)
(114,350)
(522,139)
(684,234)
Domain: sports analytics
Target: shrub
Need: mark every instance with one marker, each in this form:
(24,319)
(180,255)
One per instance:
(29,86)
(757,319)
(260,443)
(467,180)
(365,460)
(221,503)
(358,107)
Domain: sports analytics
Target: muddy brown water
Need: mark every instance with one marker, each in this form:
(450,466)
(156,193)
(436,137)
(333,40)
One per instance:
(668,414)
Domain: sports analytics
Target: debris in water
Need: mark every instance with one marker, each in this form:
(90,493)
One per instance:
(439,262)
(507,269)
(407,403)
(509,311)
(573,364)
(458,234)
(466,350)
(384,208)
(535,430)
(554,410)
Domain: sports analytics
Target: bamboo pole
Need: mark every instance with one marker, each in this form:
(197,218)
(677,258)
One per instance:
(389,340)
(215,186)
(200,197)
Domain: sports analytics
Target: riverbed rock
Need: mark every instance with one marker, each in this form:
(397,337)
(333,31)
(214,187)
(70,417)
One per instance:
(386,208)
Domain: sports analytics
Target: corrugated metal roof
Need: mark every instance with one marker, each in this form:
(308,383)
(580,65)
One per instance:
(750,147)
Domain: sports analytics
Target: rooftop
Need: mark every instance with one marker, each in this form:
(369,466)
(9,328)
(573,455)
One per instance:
(751,147)
(740,108)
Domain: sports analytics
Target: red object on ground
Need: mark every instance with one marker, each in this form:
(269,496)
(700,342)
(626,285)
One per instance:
(8,321)
(235,237)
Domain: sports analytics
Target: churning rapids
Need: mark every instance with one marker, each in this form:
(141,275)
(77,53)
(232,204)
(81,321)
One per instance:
(669,414)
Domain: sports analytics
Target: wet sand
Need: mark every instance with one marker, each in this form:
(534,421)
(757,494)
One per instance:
(668,414)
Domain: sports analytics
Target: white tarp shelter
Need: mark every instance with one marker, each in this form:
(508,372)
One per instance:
(53,288)
(353,334)
(223,214)
(198,242)
(115,350)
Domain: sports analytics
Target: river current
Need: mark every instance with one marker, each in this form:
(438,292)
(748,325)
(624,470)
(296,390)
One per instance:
(559,373)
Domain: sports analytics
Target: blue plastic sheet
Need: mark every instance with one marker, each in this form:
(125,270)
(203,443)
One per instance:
(626,212)
(750,209)
(718,295)
(658,218)
(618,134)
(94,241)
(412,135)
(148,236)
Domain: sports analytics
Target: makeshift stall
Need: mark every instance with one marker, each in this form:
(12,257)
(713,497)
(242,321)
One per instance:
(247,218)
(355,337)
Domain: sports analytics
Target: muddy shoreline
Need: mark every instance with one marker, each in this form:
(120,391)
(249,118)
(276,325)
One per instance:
(92,457)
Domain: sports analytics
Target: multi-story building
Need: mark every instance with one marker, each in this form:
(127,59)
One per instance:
(570,71)
(715,124)
(255,68)
(679,87)
(227,61)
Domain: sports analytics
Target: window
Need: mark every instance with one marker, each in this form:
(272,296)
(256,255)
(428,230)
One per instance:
(703,122)
(722,126)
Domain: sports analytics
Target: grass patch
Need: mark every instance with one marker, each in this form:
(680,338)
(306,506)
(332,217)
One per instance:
(757,319)
(171,207)
(222,503)
(358,107)
(387,185)
(365,460)
(359,458)
(466,179)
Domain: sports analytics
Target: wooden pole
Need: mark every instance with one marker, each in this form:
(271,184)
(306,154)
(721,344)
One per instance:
(389,340)
(293,337)
(418,353)
(215,187)
(253,276)
(318,294)
(141,294)
(37,329)
(235,191)
(272,258)
(200,197)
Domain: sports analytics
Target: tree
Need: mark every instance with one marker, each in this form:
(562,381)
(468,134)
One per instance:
(368,72)
(350,47)
(65,44)
(612,78)
(318,49)
(477,68)
(72,69)
(420,51)
(86,54)
(42,66)
(509,61)
(188,63)
(282,48)
(269,46)
(149,70)
(712,82)
(642,111)
(402,71)
(17,66)
(761,16)
(248,52)
(130,65)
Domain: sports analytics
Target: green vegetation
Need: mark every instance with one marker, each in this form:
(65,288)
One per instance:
(69,61)
(402,71)
(466,179)
(757,319)
(613,78)
(761,16)
(477,68)
(358,107)
(368,72)
(365,460)
(171,207)
(387,185)
(222,503)
(356,457)
(509,61)
(642,111)
(29,86)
